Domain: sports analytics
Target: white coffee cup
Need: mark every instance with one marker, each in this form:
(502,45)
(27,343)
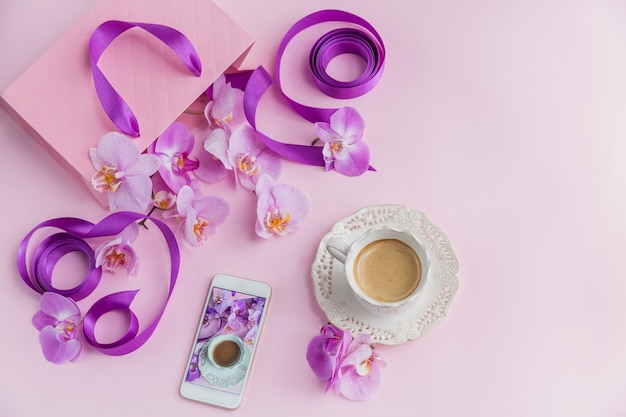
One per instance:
(226,351)
(386,268)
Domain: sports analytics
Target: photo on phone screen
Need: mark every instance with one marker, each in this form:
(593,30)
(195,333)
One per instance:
(226,340)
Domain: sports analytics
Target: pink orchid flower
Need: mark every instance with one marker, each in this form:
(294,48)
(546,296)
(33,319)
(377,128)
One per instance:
(223,301)
(251,336)
(343,148)
(325,351)
(280,208)
(163,197)
(226,107)
(58,324)
(118,251)
(359,375)
(250,158)
(193,372)
(173,148)
(200,215)
(243,153)
(123,172)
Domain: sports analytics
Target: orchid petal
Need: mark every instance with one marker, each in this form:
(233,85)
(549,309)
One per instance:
(217,145)
(244,140)
(135,194)
(325,132)
(58,306)
(348,124)
(117,149)
(176,138)
(174,180)
(224,103)
(147,165)
(58,351)
(188,228)
(293,200)
(358,388)
(353,162)
(41,320)
(184,200)
(211,169)
(320,362)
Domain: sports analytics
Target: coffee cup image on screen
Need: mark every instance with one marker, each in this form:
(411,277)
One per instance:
(223,350)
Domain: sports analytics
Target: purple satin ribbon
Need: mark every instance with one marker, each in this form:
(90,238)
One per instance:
(366,44)
(114,105)
(54,247)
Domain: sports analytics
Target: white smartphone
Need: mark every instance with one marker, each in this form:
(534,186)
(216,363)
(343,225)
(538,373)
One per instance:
(226,340)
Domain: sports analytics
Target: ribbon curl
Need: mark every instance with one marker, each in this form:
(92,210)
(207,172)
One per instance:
(113,104)
(54,247)
(367,44)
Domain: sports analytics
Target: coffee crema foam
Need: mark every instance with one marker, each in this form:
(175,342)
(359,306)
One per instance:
(387,270)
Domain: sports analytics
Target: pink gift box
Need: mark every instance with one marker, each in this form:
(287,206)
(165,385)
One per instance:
(55,99)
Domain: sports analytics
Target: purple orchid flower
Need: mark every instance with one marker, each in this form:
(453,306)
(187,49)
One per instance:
(253,317)
(222,301)
(280,208)
(240,309)
(118,251)
(200,215)
(211,323)
(226,107)
(343,148)
(193,372)
(251,336)
(325,351)
(123,172)
(233,325)
(58,324)
(359,372)
(173,148)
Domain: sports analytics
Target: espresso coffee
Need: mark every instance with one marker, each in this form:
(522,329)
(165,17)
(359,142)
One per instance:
(226,353)
(387,270)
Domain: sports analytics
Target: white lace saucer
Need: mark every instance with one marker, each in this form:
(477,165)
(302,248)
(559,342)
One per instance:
(222,376)
(342,308)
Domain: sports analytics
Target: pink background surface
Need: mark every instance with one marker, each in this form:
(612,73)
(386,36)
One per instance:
(502,121)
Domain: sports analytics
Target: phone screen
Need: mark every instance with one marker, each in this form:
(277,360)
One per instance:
(226,340)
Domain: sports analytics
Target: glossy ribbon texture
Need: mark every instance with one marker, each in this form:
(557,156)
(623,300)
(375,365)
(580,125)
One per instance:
(114,105)
(39,276)
(367,44)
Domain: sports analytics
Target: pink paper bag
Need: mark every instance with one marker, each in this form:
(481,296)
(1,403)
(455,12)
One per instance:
(55,99)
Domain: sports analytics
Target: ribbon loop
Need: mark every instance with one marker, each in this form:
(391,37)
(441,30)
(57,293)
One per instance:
(113,302)
(50,251)
(54,247)
(113,104)
(366,44)
(339,42)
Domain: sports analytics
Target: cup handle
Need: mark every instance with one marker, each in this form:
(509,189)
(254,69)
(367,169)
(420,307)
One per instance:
(338,249)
